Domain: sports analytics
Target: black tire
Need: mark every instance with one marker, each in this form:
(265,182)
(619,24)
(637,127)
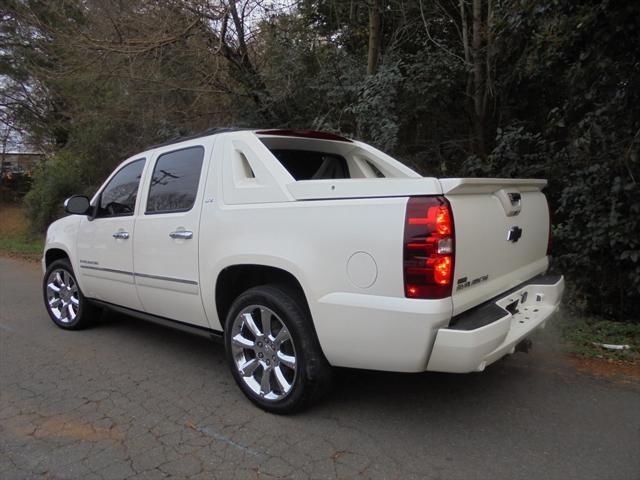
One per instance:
(312,377)
(84,311)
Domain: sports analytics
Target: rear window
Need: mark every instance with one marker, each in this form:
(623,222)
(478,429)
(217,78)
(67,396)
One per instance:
(174,184)
(309,165)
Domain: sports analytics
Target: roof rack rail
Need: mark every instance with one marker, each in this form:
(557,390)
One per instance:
(204,133)
(290,132)
(302,133)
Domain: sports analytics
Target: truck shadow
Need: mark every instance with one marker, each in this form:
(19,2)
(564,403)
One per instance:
(363,390)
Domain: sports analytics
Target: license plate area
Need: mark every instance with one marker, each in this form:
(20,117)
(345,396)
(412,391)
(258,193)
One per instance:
(512,307)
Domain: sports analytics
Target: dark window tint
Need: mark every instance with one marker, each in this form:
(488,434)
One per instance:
(175,181)
(305,165)
(119,196)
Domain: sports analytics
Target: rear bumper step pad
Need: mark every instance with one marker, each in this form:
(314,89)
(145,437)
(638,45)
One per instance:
(489,311)
(478,338)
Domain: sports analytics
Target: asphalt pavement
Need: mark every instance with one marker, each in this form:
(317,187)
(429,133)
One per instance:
(129,399)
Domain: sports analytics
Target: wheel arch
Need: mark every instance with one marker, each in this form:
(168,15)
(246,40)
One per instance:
(235,279)
(57,251)
(53,254)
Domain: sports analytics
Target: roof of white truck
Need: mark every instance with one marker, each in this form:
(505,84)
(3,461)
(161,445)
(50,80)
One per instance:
(289,132)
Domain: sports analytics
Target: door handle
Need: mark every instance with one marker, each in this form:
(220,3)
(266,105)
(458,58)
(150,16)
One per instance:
(183,234)
(122,235)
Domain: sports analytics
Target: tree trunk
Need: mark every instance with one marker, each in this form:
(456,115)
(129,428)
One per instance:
(5,140)
(478,79)
(374,36)
(242,68)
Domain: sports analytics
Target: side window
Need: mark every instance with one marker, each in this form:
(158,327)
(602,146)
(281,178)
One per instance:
(174,184)
(119,196)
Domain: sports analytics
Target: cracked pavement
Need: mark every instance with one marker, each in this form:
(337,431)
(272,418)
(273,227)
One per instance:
(132,400)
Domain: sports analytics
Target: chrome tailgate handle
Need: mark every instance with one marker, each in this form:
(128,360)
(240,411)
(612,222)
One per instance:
(183,234)
(121,234)
(511,200)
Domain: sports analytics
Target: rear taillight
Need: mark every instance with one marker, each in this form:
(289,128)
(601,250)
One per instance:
(429,248)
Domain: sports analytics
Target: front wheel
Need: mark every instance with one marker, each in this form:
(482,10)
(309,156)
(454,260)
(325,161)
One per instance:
(273,352)
(63,298)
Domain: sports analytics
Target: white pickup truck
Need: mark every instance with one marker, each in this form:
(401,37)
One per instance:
(304,250)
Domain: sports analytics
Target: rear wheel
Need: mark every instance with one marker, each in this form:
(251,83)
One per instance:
(273,351)
(63,298)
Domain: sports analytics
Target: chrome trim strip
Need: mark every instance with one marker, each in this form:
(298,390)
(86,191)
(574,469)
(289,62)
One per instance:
(110,270)
(168,279)
(143,275)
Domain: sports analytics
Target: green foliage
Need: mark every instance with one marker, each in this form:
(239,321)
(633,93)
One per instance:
(375,111)
(54,181)
(23,244)
(292,52)
(598,238)
(586,338)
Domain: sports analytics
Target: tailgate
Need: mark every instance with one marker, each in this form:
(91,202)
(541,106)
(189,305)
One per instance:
(501,235)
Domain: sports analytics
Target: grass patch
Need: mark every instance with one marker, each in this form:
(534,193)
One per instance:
(584,335)
(15,237)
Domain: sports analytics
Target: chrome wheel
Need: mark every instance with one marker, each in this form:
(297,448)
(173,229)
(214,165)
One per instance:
(263,352)
(63,297)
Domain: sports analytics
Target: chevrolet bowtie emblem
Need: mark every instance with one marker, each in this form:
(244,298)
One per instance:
(514,234)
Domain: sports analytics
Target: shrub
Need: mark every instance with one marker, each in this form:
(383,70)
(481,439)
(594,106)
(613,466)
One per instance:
(53,181)
(14,187)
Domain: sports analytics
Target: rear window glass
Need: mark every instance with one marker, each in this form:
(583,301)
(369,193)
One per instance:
(174,184)
(309,165)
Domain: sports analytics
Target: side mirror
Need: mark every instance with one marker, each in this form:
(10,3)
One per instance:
(77,205)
